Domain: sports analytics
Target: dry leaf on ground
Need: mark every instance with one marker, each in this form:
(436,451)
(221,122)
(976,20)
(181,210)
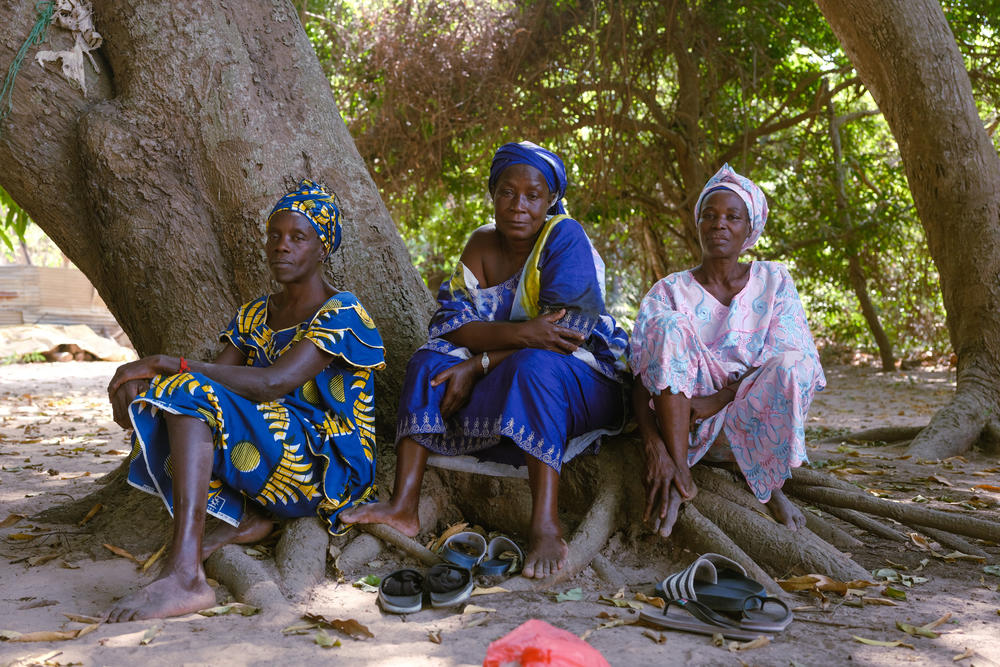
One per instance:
(746,646)
(876,642)
(349,626)
(118,551)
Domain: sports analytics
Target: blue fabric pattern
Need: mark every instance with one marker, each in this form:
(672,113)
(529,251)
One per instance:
(552,406)
(311,451)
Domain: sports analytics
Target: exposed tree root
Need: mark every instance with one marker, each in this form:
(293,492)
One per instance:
(902,512)
(772,545)
(706,537)
(880,434)
(249,580)
(865,522)
(831,532)
(407,545)
(958,425)
(951,541)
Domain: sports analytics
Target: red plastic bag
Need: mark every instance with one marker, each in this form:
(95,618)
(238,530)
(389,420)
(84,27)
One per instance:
(536,643)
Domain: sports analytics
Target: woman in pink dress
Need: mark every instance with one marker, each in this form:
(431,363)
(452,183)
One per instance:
(727,365)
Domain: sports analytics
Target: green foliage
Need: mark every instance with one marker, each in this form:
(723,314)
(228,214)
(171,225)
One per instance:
(13,220)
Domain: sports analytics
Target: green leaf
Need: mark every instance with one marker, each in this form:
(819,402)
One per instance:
(325,640)
(992,569)
(572,595)
(894,593)
(368,583)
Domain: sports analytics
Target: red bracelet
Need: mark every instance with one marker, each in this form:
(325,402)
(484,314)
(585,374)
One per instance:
(184,368)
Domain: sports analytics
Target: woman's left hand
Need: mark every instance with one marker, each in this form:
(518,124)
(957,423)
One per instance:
(142,369)
(461,378)
(123,397)
(703,407)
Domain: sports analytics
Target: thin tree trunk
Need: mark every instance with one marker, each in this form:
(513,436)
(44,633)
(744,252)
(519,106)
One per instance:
(854,270)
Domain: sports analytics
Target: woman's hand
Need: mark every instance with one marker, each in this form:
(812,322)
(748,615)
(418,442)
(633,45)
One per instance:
(663,500)
(461,378)
(703,407)
(543,333)
(121,399)
(142,369)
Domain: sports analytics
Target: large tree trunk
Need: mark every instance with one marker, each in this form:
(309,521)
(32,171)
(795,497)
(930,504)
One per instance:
(157,183)
(906,55)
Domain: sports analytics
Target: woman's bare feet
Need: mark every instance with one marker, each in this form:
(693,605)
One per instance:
(784,511)
(405,520)
(546,555)
(253,528)
(171,595)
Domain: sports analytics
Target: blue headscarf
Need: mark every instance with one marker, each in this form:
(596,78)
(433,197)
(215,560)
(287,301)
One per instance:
(547,162)
(319,207)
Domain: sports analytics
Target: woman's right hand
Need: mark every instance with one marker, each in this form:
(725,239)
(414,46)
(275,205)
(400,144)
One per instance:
(543,333)
(461,378)
(121,399)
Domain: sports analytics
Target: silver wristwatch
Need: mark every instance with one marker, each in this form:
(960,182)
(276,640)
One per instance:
(485,360)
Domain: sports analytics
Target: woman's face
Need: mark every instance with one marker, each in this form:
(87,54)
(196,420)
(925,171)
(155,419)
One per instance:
(723,224)
(293,248)
(520,199)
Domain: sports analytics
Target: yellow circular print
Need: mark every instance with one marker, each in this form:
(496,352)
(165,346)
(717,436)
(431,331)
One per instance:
(337,388)
(366,318)
(310,392)
(245,456)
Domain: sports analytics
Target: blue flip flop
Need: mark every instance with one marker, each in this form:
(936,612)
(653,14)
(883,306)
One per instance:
(494,564)
(465,549)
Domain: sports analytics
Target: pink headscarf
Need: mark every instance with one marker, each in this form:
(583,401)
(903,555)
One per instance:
(748,191)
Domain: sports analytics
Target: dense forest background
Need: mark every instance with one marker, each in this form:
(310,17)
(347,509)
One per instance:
(644,101)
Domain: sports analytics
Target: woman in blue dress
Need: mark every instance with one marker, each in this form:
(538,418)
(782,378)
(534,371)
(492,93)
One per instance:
(280,425)
(524,363)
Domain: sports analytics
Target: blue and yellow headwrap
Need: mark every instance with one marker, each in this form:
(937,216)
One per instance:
(319,207)
(547,162)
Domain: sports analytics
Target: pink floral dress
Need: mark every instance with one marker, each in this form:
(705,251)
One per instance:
(686,341)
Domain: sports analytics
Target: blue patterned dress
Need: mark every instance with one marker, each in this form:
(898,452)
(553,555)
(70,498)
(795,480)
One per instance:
(552,406)
(311,451)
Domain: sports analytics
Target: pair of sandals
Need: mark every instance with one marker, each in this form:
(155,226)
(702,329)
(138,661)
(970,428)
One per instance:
(445,584)
(714,595)
(470,550)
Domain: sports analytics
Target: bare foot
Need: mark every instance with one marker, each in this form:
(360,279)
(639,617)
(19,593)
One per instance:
(784,511)
(171,595)
(253,528)
(546,555)
(403,520)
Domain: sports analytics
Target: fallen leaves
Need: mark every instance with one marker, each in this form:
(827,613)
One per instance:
(11,520)
(91,514)
(823,583)
(746,646)
(231,608)
(46,635)
(434,636)
(324,640)
(347,626)
(926,630)
(150,634)
(876,642)
(118,551)
(368,583)
(572,595)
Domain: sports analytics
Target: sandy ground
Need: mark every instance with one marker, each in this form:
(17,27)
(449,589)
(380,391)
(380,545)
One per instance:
(57,437)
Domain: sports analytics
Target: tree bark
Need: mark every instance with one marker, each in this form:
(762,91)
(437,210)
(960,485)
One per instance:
(157,182)
(906,55)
